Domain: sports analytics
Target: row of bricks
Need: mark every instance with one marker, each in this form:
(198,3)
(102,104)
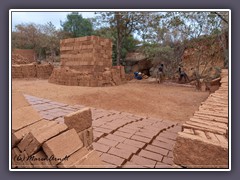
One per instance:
(125,149)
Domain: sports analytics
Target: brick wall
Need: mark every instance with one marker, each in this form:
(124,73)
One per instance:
(32,71)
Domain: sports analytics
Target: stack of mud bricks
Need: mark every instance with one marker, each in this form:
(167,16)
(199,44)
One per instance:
(86,54)
(39,143)
(32,71)
(87,61)
(203,143)
(29,54)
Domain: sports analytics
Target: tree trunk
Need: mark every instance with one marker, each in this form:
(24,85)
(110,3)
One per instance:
(117,16)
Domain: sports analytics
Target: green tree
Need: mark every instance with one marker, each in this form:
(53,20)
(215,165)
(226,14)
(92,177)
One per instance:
(123,24)
(77,25)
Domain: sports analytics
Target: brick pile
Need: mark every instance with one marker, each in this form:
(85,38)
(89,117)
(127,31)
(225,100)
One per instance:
(203,143)
(40,143)
(32,70)
(87,61)
(23,56)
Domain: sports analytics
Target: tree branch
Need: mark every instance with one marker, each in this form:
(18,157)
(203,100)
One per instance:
(220,16)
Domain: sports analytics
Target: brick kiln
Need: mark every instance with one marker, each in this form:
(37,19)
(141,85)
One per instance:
(87,61)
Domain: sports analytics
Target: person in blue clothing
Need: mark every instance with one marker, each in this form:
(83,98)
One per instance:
(137,75)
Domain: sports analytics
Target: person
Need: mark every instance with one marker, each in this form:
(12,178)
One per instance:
(160,74)
(137,75)
(182,74)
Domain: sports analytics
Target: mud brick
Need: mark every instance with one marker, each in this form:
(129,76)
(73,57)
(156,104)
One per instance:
(145,134)
(194,151)
(111,159)
(126,130)
(169,135)
(27,139)
(103,130)
(162,145)
(134,143)
(115,138)
(151,155)
(100,147)
(18,136)
(168,160)
(169,123)
(127,147)
(143,161)
(63,145)
(166,140)
(153,128)
(120,153)
(132,127)
(48,117)
(97,123)
(140,138)
(79,120)
(130,164)
(23,117)
(111,126)
(175,129)
(157,149)
(108,142)
(162,165)
(34,140)
(99,153)
(60,120)
(40,160)
(97,135)
(74,158)
(91,160)
(119,133)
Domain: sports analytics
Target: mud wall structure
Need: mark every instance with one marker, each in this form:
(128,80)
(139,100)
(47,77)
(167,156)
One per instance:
(40,143)
(87,61)
(42,71)
(203,142)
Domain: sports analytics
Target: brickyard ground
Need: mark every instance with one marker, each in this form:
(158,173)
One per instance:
(161,101)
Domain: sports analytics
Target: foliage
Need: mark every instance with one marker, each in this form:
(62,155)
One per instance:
(77,25)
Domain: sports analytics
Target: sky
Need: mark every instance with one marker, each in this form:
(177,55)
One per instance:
(44,17)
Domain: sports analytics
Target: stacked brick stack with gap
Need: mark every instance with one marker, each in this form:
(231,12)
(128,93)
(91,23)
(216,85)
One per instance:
(204,140)
(39,143)
(87,61)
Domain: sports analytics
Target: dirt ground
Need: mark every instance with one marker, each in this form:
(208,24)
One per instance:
(147,99)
